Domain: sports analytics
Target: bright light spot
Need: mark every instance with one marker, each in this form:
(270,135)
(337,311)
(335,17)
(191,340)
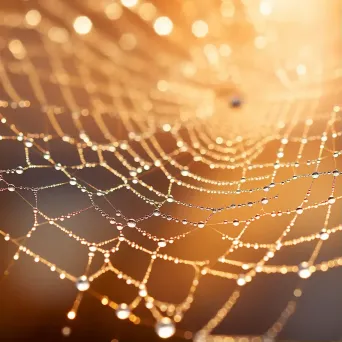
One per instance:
(241,281)
(82,284)
(200,28)
(66,331)
(304,270)
(113,11)
(83,25)
(165,328)
(324,235)
(265,8)
(301,69)
(17,49)
(71,314)
(147,11)
(219,140)
(163,26)
(123,311)
(166,127)
(142,293)
(162,243)
(129,3)
(104,301)
(33,17)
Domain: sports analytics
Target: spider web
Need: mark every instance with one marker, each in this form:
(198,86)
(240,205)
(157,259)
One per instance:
(143,175)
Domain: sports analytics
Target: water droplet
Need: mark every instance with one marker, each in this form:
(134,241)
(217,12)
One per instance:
(123,311)
(324,235)
(165,328)
(131,223)
(241,280)
(28,143)
(304,270)
(331,200)
(82,284)
(161,243)
(19,170)
(315,175)
(156,213)
(299,210)
(200,224)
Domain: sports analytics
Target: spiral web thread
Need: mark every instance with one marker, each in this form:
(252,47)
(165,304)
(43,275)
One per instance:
(167,127)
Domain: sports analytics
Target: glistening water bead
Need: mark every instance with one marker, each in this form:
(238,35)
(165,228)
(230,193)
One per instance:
(156,212)
(264,200)
(162,243)
(82,283)
(241,281)
(123,311)
(299,210)
(29,143)
(19,170)
(131,223)
(331,200)
(200,224)
(315,175)
(304,270)
(324,235)
(165,328)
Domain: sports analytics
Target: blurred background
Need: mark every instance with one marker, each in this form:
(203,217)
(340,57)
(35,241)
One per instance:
(236,75)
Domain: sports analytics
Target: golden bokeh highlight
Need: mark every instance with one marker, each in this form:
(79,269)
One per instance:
(200,28)
(113,11)
(129,3)
(82,25)
(33,17)
(163,26)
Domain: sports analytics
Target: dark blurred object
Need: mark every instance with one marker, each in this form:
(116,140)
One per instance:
(236,102)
